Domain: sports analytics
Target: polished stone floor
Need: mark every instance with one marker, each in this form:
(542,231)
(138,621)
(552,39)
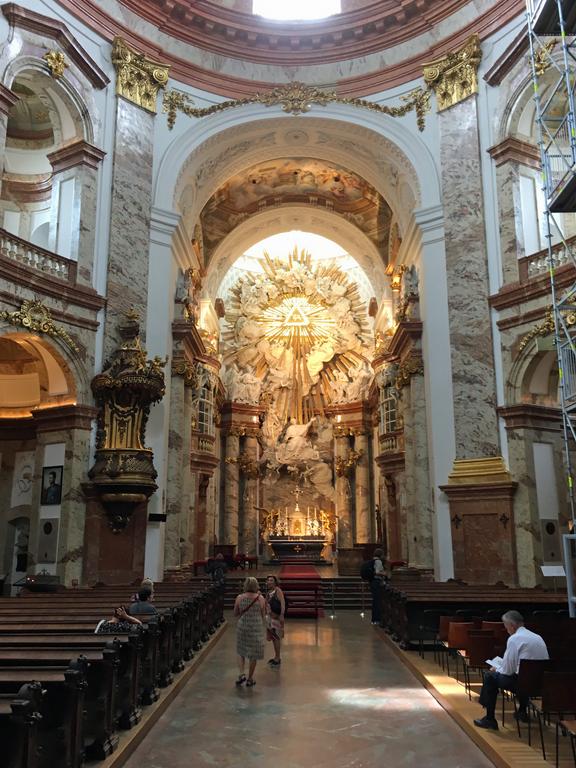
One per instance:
(342,699)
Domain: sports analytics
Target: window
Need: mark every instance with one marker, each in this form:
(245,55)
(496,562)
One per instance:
(296,10)
(388,406)
(206,411)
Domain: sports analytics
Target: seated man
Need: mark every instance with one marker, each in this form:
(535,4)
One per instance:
(522,644)
(143,606)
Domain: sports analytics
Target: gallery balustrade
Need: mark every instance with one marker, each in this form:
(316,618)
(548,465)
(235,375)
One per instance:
(33,257)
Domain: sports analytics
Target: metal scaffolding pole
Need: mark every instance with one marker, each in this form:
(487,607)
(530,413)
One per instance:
(552,41)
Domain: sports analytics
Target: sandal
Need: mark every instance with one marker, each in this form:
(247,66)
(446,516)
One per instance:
(241,680)
(250,683)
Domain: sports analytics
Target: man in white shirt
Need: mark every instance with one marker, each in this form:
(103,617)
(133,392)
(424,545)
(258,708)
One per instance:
(522,644)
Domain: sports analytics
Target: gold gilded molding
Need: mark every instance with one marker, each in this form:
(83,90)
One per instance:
(543,57)
(454,77)
(138,78)
(546,327)
(413,366)
(345,464)
(56,62)
(295,98)
(34,316)
(484,470)
(187,371)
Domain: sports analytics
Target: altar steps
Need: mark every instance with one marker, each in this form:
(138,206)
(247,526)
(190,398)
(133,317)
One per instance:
(346,593)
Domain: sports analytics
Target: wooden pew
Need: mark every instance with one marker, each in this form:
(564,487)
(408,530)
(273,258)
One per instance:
(19,720)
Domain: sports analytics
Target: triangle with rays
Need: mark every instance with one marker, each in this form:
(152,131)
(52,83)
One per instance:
(296,318)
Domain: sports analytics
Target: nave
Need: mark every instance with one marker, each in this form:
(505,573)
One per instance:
(341,698)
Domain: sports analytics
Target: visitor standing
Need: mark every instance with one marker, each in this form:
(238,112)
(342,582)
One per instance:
(275,612)
(376,584)
(250,610)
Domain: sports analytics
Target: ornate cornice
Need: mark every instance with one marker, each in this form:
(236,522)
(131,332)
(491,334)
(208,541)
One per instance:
(64,417)
(225,84)
(413,365)
(515,151)
(514,294)
(186,370)
(73,155)
(296,98)
(35,317)
(454,77)
(530,416)
(138,77)
(47,28)
(27,191)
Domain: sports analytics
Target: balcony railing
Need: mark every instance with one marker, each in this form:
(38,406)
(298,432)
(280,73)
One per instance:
(536,265)
(32,257)
(391,442)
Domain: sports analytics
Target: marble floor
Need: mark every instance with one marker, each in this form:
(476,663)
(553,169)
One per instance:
(342,699)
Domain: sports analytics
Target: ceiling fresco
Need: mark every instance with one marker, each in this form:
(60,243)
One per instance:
(295,180)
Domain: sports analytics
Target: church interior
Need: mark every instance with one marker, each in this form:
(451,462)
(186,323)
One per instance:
(283,286)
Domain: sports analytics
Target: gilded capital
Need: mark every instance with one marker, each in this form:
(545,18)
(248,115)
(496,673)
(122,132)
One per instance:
(454,77)
(138,78)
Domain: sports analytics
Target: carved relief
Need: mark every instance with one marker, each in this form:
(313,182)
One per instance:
(138,78)
(34,316)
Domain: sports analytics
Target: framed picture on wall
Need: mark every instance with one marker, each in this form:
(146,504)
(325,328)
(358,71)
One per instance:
(51,485)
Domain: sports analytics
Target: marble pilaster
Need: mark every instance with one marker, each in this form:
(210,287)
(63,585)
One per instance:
(73,229)
(231,489)
(248,539)
(178,463)
(343,497)
(473,383)
(362,490)
(420,546)
(130,218)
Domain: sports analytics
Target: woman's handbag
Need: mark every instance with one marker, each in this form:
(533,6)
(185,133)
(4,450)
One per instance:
(244,610)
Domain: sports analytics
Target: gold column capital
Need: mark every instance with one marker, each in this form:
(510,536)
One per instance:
(138,78)
(454,77)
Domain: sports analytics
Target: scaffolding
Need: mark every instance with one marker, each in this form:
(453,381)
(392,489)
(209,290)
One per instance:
(552,41)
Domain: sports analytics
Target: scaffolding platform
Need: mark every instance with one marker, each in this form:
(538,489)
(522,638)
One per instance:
(546,17)
(563,199)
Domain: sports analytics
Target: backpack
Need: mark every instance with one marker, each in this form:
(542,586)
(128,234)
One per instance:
(276,606)
(367,570)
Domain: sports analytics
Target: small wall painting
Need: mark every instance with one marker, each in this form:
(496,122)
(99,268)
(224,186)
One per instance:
(51,485)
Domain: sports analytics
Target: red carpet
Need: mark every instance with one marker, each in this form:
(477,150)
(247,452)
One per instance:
(307,572)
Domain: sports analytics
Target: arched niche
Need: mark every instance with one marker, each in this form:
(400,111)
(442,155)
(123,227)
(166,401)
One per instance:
(534,376)
(33,376)
(295,217)
(394,160)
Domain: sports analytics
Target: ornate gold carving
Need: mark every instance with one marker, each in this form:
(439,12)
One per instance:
(412,366)
(124,472)
(138,78)
(56,62)
(187,371)
(243,431)
(345,464)
(454,77)
(543,57)
(546,327)
(490,469)
(248,467)
(34,316)
(296,98)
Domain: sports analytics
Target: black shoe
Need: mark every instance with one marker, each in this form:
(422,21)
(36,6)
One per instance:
(275,662)
(488,723)
(522,716)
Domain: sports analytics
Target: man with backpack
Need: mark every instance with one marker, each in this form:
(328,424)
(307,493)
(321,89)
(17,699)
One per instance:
(372,571)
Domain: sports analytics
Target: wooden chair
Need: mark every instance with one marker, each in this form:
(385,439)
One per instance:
(480,645)
(569,729)
(558,698)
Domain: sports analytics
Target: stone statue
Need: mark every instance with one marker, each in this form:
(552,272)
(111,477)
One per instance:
(360,376)
(338,387)
(187,286)
(248,387)
(293,446)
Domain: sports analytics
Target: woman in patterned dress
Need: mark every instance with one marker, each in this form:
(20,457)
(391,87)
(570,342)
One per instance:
(250,609)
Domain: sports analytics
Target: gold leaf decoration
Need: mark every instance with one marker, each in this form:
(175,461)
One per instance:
(34,316)
(56,62)
(296,98)
(138,78)
(454,77)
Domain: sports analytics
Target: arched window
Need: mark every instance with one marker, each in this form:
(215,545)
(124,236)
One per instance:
(296,10)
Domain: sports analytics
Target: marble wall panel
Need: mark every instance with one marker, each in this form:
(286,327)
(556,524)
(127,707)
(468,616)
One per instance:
(467,274)
(231,490)
(130,218)
(510,219)
(176,501)
(343,497)
(363,506)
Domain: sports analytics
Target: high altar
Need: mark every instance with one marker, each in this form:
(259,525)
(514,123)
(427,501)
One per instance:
(295,535)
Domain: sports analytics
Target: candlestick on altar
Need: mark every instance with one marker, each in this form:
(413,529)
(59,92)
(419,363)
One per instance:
(315,518)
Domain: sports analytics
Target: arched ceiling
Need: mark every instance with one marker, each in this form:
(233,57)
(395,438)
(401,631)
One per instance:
(299,181)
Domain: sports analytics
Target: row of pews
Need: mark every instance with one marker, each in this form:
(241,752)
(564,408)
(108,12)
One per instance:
(411,609)
(65,692)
